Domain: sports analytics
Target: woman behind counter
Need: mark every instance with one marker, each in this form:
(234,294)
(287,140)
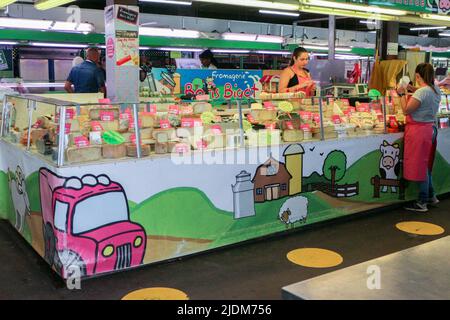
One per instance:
(296,77)
(420,135)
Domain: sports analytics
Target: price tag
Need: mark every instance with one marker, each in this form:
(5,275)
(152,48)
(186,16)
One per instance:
(203,97)
(174,109)
(96,126)
(216,129)
(198,122)
(187,122)
(316,117)
(67,128)
(268,105)
(152,109)
(270,125)
(106,115)
(336,119)
(306,115)
(133,139)
(305,127)
(202,144)
(165,124)
(81,141)
(289,125)
(182,148)
(345,102)
(363,107)
(187,110)
(131,124)
(250,118)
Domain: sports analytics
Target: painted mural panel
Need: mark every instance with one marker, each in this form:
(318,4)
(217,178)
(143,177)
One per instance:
(113,216)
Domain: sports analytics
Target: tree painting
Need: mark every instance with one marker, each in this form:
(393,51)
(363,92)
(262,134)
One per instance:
(335,166)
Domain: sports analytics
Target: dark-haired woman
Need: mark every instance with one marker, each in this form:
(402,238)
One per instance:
(420,135)
(296,77)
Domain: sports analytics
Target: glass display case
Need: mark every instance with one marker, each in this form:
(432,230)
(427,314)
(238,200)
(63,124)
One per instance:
(67,133)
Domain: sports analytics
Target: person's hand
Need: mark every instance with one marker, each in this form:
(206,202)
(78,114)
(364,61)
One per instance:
(401,90)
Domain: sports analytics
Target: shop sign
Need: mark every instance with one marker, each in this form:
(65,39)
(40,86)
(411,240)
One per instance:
(3,62)
(215,84)
(127,15)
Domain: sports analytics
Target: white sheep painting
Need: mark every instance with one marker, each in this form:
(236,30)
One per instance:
(294,210)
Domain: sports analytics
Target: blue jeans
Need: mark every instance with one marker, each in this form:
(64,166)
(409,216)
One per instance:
(426,187)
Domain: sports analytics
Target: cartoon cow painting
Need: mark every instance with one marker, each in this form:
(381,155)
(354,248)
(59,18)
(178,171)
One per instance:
(390,163)
(19,196)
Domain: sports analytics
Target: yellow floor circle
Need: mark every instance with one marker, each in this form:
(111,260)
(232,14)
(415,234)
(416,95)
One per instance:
(315,258)
(156,294)
(420,228)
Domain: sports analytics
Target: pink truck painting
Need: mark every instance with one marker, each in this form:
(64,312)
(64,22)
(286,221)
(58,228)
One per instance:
(86,225)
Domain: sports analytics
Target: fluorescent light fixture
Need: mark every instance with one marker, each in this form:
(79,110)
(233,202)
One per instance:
(72,26)
(435,17)
(34,85)
(25,23)
(347,6)
(252,37)
(427,28)
(144,48)
(4,3)
(58,45)
(256,4)
(312,47)
(167,32)
(180,49)
(347,13)
(48,4)
(229,51)
(181,3)
(373,22)
(444,34)
(16,23)
(347,57)
(373,31)
(439,58)
(273,52)
(280,13)
(319,54)
(8,43)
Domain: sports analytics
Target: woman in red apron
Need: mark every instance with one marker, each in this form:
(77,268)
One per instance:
(296,77)
(420,135)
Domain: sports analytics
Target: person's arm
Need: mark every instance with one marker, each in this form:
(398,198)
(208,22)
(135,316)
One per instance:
(410,106)
(69,82)
(68,86)
(101,81)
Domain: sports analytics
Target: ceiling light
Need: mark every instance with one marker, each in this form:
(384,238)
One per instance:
(58,45)
(72,26)
(180,49)
(444,34)
(368,22)
(347,13)
(347,6)
(427,28)
(4,3)
(273,52)
(8,43)
(255,4)
(229,51)
(312,47)
(280,13)
(252,37)
(435,16)
(182,3)
(25,23)
(48,4)
(166,32)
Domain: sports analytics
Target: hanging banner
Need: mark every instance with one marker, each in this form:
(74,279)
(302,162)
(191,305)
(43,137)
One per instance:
(420,6)
(218,84)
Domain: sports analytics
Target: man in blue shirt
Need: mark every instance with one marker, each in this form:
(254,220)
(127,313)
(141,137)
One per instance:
(86,77)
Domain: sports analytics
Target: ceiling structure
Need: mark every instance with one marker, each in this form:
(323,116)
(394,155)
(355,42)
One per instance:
(230,12)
